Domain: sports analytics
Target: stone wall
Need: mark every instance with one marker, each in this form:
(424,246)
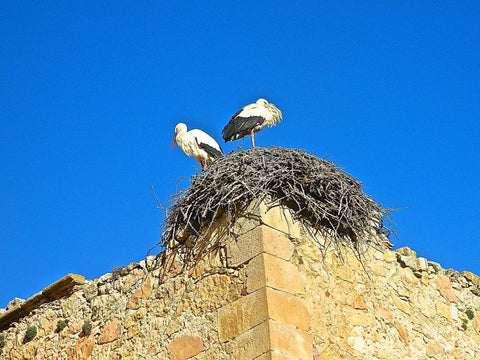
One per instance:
(270,294)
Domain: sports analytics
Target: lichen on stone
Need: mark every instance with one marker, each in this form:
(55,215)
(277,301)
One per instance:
(87,328)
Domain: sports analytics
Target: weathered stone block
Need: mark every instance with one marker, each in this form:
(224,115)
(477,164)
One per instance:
(424,278)
(140,295)
(378,269)
(252,343)
(359,318)
(242,315)
(402,333)
(63,286)
(443,310)
(84,347)
(434,267)
(267,270)
(287,309)
(444,285)
(288,341)
(406,251)
(408,261)
(359,303)
(357,343)
(400,304)
(389,256)
(91,290)
(434,350)
(110,332)
(185,347)
(471,277)
(58,289)
(271,355)
(283,341)
(408,276)
(133,330)
(476,322)
(386,314)
(279,218)
(422,264)
(33,302)
(262,239)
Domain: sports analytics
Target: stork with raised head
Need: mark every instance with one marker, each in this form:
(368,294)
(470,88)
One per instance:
(251,119)
(196,143)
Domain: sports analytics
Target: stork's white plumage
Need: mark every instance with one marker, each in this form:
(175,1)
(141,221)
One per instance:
(251,119)
(196,143)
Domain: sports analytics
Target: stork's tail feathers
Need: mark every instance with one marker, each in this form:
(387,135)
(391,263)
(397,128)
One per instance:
(211,150)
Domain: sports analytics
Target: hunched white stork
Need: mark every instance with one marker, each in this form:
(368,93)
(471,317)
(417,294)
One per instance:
(251,119)
(197,143)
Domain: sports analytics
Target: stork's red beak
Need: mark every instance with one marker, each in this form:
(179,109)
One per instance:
(173,142)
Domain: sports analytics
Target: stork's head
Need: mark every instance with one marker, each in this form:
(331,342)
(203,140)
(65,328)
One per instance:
(262,102)
(180,128)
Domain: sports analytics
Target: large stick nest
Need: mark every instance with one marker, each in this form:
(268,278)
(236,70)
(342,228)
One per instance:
(327,201)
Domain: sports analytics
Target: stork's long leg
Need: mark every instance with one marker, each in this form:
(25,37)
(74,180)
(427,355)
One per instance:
(253,139)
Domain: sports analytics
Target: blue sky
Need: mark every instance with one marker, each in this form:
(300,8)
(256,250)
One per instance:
(91,91)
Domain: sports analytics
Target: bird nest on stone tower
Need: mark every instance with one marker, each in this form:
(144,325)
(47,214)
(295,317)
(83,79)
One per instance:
(328,202)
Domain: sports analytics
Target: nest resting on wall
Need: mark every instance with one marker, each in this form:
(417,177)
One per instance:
(328,202)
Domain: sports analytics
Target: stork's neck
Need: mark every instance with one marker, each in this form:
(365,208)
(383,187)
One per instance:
(181,137)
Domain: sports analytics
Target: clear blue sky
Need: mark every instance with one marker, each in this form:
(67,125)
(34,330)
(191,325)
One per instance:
(91,91)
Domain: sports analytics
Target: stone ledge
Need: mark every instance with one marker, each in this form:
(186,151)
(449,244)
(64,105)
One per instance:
(60,288)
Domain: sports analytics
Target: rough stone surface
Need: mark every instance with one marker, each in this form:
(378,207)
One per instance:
(287,309)
(247,246)
(444,285)
(401,317)
(471,277)
(185,347)
(277,273)
(110,332)
(242,315)
(359,304)
(287,299)
(251,344)
(288,341)
(84,347)
(140,295)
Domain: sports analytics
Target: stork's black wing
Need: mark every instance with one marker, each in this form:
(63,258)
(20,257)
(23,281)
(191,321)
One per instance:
(210,149)
(239,127)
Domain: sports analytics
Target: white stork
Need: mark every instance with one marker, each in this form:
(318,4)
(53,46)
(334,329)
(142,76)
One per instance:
(251,119)
(197,143)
